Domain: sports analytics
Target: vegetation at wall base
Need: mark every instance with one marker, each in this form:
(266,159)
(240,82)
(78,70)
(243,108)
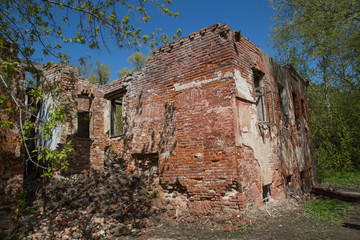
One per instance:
(333,210)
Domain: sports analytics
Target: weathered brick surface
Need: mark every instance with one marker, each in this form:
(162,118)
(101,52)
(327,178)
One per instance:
(80,95)
(192,111)
(194,105)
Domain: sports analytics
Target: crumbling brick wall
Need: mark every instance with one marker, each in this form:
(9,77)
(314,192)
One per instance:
(82,99)
(192,122)
(194,105)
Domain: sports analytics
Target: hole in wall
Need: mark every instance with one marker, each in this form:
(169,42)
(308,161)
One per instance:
(288,185)
(288,180)
(266,193)
(178,187)
(148,167)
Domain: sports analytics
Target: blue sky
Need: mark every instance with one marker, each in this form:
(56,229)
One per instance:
(251,18)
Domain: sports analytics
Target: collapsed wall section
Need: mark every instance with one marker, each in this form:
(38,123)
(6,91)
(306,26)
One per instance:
(221,116)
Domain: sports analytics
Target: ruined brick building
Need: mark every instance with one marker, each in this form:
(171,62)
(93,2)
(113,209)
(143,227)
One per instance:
(211,116)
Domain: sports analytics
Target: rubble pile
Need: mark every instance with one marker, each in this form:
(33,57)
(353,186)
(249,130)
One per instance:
(91,205)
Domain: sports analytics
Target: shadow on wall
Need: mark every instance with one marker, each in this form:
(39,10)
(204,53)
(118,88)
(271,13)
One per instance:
(81,158)
(167,141)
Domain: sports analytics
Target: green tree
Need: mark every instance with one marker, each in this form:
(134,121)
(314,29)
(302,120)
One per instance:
(137,60)
(85,69)
(318,36)
(124,71)
(50,23)
(100,73)
(321,39)
(45,26)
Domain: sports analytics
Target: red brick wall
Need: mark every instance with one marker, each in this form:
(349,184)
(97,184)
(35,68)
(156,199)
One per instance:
(82,95)
(193,106)
(186,106)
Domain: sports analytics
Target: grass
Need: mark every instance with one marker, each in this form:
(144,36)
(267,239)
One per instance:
(333,210)
(152,194)
(343,178)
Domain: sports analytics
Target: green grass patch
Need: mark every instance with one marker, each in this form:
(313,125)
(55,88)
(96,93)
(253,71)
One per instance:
(344,178)
(333,210)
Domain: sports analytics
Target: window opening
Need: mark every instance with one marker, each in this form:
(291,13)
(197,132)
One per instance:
(117,124)
(260,96)
(282,95)
(296,107)
(31,79)
(266,193)
(288,183)
(83,124)
(302,178)
(288,180)
(148,167)
(85,111)
(303,107)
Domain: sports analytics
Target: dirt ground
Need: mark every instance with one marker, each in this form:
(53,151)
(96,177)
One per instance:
(272,222)
(112,205)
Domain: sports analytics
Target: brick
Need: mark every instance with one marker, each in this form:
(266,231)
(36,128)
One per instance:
(192,106)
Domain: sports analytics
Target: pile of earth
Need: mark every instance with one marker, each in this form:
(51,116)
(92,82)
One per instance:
(93,204)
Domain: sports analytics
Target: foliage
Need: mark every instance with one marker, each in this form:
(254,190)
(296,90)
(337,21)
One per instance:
(124,71)
(320,39)
(20,205)
(50,23)
(333,210)
(314,30)
(4,123)
(43,157)
(152,194)
(46,158)
(55,158)
(342,178)
(100,73)
(85,69)
(137,60)
(45,26)
(335,128)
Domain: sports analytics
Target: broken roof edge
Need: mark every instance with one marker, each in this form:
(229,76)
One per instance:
(221,29)
(294,73)
(31,65)
(117,85)
(169,46)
